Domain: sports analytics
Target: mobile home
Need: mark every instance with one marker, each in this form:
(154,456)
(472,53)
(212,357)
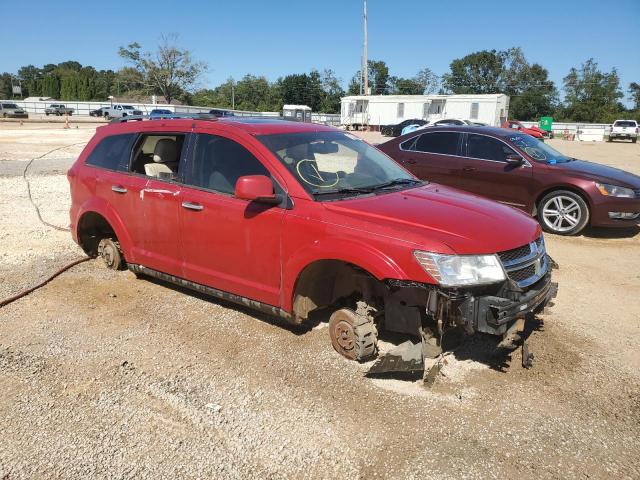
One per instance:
(376,110)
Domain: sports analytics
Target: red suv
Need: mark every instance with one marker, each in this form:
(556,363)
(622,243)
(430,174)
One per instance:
(291,218)
(516,169)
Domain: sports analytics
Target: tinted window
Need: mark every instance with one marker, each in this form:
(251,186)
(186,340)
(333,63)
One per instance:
(112,152)
(219,162)
(487,148)
(445,143)
(624,124)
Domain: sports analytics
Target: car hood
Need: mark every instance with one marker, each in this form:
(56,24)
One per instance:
(439,219)
(599,173)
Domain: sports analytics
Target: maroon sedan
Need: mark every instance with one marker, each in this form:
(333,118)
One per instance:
(565,194)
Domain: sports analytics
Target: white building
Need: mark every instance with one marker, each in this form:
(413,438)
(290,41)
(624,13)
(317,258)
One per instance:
(376,110)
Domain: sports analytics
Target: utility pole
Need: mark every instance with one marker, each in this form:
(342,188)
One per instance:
(233,95)
(365,60)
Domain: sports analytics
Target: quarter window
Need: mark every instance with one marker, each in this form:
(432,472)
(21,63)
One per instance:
(444,143)
(219,162)
(488,148)
(111,153)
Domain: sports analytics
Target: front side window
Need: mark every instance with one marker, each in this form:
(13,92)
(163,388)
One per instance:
(487,148)
(112,152)
(537,150)
(443,143)
(336,164)
(219,162)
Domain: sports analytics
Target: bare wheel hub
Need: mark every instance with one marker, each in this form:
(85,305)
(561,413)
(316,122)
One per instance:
(352,335)
(109,251)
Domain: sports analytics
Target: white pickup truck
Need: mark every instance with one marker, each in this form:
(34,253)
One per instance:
(626,129)
(119,111)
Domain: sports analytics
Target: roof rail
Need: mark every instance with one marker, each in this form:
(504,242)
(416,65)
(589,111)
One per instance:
(172,116)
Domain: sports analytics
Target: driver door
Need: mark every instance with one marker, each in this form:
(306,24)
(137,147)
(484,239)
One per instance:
(228,243)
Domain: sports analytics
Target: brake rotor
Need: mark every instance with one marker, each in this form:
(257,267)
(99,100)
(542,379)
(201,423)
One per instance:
(342,331)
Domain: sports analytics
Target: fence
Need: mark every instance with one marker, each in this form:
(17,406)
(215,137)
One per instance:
(585,132)
(83,109)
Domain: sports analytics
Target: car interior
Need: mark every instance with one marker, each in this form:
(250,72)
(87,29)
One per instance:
(158,155)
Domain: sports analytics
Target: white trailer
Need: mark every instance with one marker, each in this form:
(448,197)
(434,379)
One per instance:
(376,110)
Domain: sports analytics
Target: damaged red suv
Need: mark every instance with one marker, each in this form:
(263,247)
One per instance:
(293,218)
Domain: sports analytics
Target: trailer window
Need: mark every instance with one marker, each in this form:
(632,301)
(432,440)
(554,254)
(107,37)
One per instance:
(475,106)
(400,110)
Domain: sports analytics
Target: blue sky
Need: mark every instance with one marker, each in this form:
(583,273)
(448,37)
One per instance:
(277,37)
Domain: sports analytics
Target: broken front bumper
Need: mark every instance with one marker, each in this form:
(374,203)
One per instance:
(493,314)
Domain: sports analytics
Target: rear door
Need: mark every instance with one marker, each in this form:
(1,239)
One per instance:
(487,172)
(158,201)
(229,243)
(434,156)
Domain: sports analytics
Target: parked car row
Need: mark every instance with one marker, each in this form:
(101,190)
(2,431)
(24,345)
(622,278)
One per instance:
(298,219)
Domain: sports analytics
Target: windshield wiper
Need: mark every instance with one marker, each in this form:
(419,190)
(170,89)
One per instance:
(345,190)
(398,181)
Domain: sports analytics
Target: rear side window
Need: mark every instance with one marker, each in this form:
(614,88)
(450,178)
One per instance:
(444,143)
(219,162)
(112,152)
(488,148)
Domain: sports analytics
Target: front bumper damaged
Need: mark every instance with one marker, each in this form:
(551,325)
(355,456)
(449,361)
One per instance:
(499,311)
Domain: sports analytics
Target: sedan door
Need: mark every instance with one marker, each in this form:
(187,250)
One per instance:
(434,156)
(228,243)
(487,172)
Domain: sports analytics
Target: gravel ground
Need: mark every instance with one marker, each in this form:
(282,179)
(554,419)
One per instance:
(103,375)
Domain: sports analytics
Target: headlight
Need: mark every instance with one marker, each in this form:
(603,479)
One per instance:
(461,270)
(615,191)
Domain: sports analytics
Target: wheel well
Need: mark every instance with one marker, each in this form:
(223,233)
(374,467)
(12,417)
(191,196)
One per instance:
(92,228)
(328,282)
(569,188)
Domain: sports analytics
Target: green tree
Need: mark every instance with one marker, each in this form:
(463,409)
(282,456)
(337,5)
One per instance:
(378,74)
(590,94)
(6,91)
(333,92)
(50,86)
(477,73)
(634,91)
(429,81)
(169,71)
(404,86)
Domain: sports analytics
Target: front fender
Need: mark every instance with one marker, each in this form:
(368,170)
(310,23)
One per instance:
(102,207)
(358,253)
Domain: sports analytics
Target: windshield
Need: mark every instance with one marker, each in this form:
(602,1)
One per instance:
(9,105)
(337,164)
(537,150)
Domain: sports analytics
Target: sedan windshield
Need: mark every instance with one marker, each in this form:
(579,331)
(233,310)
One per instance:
(539,151)
(336,164)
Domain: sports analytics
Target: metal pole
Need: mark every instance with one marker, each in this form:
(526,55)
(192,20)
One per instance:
(233,96)
(365,59)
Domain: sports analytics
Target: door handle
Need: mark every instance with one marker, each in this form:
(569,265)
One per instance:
(468,169)
(118,189)
(410,161)
(192,206)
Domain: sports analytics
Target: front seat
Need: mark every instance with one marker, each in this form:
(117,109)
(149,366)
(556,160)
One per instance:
(165,158)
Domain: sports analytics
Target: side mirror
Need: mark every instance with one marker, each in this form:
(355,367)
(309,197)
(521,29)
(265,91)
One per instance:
(257,188)
(514,160)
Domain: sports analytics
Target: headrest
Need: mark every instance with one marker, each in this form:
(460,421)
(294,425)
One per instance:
(166,151)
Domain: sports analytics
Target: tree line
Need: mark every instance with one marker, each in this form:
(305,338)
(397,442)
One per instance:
(590,94)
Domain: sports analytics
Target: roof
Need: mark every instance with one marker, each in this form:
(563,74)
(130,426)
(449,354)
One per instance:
(250,125)
(423,98)
(495,131)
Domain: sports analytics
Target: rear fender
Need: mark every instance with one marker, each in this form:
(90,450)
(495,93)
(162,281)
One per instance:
(101,207)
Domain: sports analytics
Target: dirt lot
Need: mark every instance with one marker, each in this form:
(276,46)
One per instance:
(103,375)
